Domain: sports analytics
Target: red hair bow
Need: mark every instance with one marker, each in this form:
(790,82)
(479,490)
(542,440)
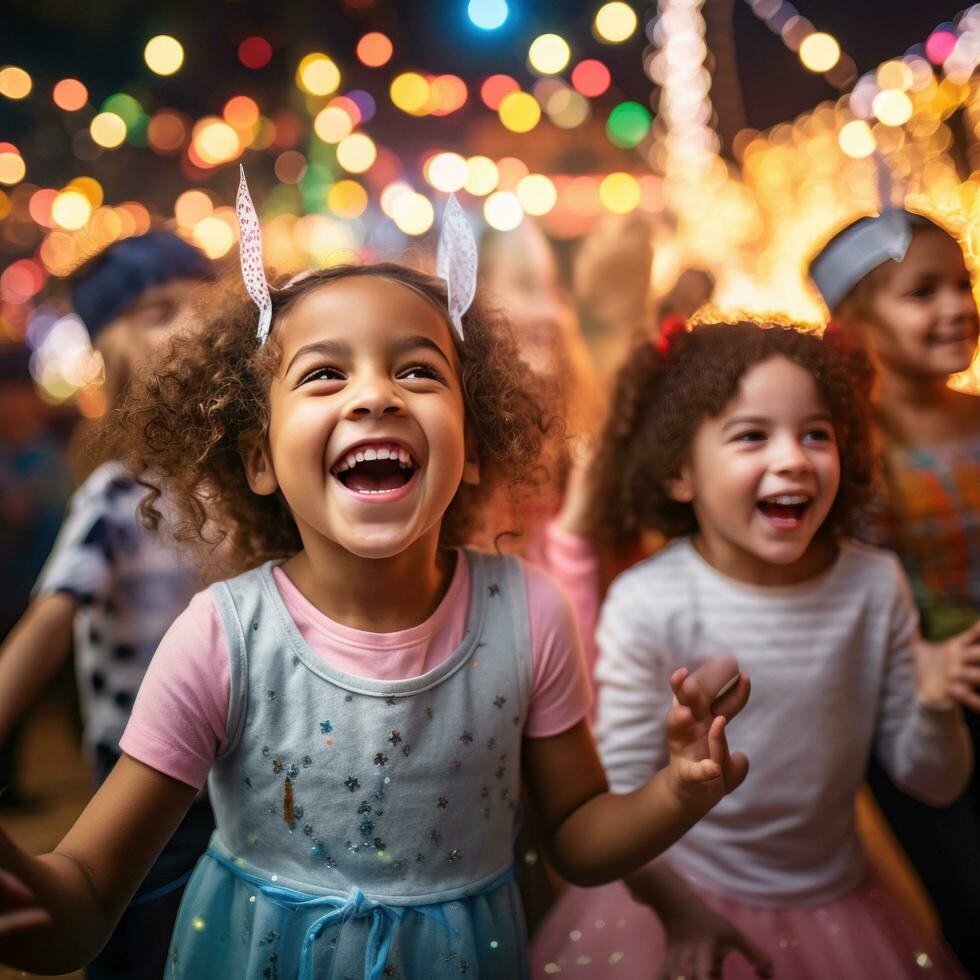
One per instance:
(670,326)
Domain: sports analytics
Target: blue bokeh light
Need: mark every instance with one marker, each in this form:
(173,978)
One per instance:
(488,15)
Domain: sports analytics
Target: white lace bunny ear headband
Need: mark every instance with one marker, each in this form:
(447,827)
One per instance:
(456,260)
(867,243)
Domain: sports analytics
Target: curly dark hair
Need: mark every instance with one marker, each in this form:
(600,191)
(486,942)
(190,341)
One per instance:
(661,399)
(182,427)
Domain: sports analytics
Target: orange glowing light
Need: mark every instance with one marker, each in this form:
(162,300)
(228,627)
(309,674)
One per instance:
(241,112)
(70,94)
(374,49)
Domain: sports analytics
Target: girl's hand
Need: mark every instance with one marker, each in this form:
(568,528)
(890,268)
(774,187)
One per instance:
(699,939)
(19,908)
(950,670)
(702,768)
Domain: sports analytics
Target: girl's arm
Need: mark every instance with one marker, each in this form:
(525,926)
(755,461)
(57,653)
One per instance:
(86,882)
(596,836)
(31,655)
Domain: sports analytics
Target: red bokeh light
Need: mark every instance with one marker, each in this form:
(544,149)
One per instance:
(591,78)
(495,88)
(254,52)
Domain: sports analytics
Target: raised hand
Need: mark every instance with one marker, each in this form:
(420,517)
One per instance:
(701,766)
(950,670)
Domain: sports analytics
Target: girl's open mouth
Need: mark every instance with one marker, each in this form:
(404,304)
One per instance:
(376,470)
(785,512)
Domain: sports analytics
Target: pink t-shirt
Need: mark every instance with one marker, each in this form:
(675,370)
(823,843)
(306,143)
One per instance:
(178,723)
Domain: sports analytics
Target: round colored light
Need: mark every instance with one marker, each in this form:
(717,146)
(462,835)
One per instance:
(447,93)
(856,139)
(70,94)
(375,49)
(40,206)
(241,112)
(357,153)
(591,78)
(510,172)
(819,52)
(548,54)
(519,112)
(502,210)
(481,176)
(410,92)
(214,237)
(894,74)
(365,103)
(614,22)
(333,124)
(71,209)
(892,107)
(290,167)
(107,130)
(317,74)
(12,168)
(412,213)
(567,109)
(15,83)
(447,172)
(493,90)
(125,107)
(347,199)
(537,194)
(166,132)
(488,15)
(254,52)
(620,193)
(90,187)
(163,54)
(191,207)
(939,46)
(628,124)
(215,141)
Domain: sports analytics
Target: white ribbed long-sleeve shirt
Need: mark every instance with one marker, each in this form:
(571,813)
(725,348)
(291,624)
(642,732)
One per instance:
(832,680)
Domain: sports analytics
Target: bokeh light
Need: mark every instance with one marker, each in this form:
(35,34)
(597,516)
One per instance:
(375,49)
(819,52)
(412,213)
(12,168)
(892,107)
(502,210)
(191,207)
(614,22)
(591,78)
(108,130)
(895,74)
(214,141)
(481,176)
(409,92)
(494,88)
(488,15)
(347,199)
(70,94)
(567,109)
(620,192)
(167,131)
(90,187)
(519,112)
(939,46)
(290,167)
(856,139)
(255,52)
(15,83)
(71,209)
(332,124)
(214,237)
(241,112)
(318,75)
(628,124)
(163,54)
(548,54)
(447,93)
(447,172)
(537,194)
(357,153)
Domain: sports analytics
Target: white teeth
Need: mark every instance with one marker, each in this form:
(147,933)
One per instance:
(369,454)
(789,500)
(351,460)
(359,456)
(384,453)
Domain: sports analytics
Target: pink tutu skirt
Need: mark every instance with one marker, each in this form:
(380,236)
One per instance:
(863,935)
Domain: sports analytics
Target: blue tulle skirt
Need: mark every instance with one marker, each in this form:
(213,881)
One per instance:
(236,924)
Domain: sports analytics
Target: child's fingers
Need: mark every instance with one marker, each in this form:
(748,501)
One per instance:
(969,675)
(965,695)
(677,679)
(736,770)
(13,891)
(23,919)
(717,743)
(695,771)
(734,699)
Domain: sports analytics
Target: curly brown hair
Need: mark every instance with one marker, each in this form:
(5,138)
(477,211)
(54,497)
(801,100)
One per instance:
(181,429)
(661,399)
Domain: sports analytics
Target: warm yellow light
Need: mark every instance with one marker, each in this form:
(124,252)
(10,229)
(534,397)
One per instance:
(894,74)
(892,107)
(856,139)
(614,22)
(71,209)
(410,92)
(619,193)
(537,194)
(163,54)
(215,141)
(819,52)
(519,112)
(347,199)
(108,130)
(357,153)
(214,237)
(332,124)
(317,74)
(481,176)
(548,54)
(567,109)
(90,187)
(15,83)
(502,210)
(447,172)
(413,213)
(192,207)
(12,168)
(391,193)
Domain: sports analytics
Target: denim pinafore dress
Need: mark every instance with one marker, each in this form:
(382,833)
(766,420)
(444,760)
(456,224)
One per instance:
(364,827)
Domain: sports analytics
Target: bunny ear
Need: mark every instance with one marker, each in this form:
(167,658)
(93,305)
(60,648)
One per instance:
(253,269)
(894,218)
(456,261)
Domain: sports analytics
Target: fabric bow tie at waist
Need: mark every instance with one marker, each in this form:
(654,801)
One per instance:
(384,918)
